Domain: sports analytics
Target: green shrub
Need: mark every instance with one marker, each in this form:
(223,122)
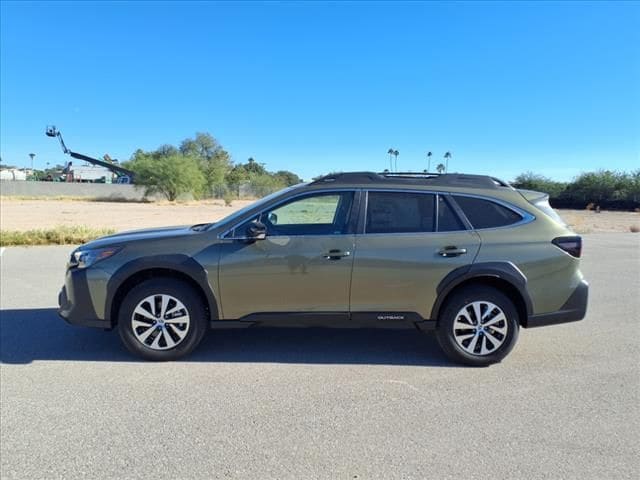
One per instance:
(60,235)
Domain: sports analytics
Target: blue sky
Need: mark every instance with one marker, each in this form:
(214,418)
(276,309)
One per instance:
(317,87)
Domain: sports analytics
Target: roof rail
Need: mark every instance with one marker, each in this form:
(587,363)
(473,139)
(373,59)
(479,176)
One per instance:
(412,174)
(349,177)
(415,178)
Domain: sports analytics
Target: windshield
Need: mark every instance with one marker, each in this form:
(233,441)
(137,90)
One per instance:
(239,213)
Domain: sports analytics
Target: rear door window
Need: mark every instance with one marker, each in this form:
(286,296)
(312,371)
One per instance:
(485,213)
(400,212)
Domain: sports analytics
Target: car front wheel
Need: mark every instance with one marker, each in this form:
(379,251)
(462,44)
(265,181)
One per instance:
(478,326)
(162,319)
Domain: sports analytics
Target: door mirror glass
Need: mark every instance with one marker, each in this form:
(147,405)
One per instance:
(256,231)
(273,218)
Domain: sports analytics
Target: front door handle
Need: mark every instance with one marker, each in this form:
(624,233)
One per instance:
(452,251)
(336,254)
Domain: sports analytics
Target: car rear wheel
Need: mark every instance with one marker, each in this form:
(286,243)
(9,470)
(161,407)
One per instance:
(478,326)
(162,319)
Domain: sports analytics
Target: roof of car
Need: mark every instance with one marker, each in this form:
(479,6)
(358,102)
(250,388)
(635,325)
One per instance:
(463,180)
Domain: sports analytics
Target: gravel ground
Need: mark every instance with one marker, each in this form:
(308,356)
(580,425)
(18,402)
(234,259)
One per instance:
(321,403)
(29,214)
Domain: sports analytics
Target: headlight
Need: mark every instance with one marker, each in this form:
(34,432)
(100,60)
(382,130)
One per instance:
(86,258)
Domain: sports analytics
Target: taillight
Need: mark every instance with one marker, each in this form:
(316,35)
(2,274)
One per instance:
(571,245)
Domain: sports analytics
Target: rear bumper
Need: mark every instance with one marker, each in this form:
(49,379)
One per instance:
(574,309)
(75,303)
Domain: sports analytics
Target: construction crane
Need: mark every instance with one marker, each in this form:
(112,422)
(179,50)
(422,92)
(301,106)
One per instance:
(124,175)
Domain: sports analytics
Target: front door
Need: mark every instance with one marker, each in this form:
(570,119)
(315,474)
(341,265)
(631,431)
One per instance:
(303,265)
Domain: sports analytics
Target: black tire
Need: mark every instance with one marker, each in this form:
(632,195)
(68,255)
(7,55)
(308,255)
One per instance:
(195,329)
(447,318)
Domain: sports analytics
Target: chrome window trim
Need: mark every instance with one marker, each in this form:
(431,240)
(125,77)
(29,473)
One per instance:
(294,236)
(413,234)
(221,236)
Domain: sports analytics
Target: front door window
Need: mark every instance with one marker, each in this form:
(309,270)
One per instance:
(320,214)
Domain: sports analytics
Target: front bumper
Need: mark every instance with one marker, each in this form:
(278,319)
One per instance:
(75,302)
(574,309)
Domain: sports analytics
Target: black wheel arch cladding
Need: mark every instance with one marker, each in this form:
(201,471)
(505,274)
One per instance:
(501,271)
(178,263)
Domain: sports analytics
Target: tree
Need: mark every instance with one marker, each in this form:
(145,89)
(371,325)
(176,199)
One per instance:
(254,167)
(605,188)
(539,183)
(214,161)
(235,177)
(202,146)
(633,189)
(429,161)
(171,175)
(165,150)
(288,178)
(395,154)
(596,186)
(440,168)
(390,153)
(217,172)
(447,156)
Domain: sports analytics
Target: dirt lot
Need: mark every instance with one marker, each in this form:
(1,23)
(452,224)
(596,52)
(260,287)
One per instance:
(588,221)
(29,214)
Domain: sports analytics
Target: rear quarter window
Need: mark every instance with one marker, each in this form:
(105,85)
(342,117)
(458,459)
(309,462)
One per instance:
(485,213)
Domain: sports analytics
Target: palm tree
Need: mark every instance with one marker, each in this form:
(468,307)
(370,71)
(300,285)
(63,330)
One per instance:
(395,154)
(390,152)
(447,156)
(441,168)
(429,161)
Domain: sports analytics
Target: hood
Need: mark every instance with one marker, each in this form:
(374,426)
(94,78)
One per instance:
(137,235)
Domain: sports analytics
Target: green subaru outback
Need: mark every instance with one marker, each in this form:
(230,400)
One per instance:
(468,256)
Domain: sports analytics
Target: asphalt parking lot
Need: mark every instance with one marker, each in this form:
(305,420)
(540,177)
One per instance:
(321,403)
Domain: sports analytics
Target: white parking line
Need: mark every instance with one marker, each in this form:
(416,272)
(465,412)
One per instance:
(2,249)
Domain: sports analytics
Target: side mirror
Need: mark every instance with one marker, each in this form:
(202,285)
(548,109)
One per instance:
(273,218)
(256,231)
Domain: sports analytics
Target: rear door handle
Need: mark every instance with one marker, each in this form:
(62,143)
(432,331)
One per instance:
(452,251)
(336,254)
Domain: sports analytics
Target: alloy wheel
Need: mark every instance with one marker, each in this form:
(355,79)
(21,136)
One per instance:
(160,322)
(480,328)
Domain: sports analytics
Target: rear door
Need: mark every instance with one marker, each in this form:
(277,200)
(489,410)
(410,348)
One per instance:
(409,242)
